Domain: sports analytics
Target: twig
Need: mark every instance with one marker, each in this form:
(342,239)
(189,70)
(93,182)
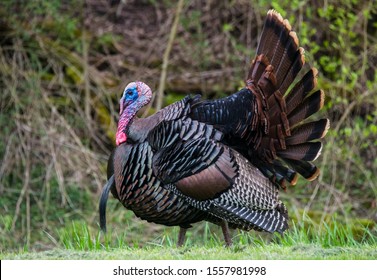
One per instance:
(3,165)
(350,107)
(165,61)
(86,153)
(25,150)
(28,216)
(86,76)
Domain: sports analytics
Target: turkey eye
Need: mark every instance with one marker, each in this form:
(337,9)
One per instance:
(129,92)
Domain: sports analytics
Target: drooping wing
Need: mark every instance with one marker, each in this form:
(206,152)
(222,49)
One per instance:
(188,155)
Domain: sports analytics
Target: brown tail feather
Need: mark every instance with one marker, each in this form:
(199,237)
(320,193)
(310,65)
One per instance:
(306,151)
(308,131)
(307,169)
(295,67)
(301,89)
(308,107)
(281,46)
(269,35)
(287,58)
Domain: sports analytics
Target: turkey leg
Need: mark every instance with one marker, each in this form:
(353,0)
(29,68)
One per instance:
(225,228)
(181,236)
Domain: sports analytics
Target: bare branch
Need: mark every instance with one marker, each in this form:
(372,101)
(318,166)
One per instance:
(165,62)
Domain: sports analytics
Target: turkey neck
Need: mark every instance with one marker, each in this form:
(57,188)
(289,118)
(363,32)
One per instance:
(136,129)
(140,127)
(125,119)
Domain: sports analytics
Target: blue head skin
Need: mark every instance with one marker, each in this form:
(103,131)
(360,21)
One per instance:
(135,96)
(130,95)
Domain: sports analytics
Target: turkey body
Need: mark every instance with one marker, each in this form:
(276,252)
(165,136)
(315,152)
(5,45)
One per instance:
(223,160)
(133,183)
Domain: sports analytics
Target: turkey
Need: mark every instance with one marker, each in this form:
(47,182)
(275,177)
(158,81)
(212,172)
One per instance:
(222,160)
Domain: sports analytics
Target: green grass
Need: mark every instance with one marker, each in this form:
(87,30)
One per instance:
(294,245)
(303,241)
(269,252)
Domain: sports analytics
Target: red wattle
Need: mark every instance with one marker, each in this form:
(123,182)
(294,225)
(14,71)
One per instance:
(121,137)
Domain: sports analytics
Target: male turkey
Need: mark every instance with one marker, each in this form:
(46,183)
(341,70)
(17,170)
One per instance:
(222,160)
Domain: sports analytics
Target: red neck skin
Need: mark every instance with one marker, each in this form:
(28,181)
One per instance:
(125,119)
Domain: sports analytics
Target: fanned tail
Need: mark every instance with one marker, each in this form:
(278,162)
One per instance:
(288,144)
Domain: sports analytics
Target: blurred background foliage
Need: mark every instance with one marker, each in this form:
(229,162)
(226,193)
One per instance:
(63,65)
